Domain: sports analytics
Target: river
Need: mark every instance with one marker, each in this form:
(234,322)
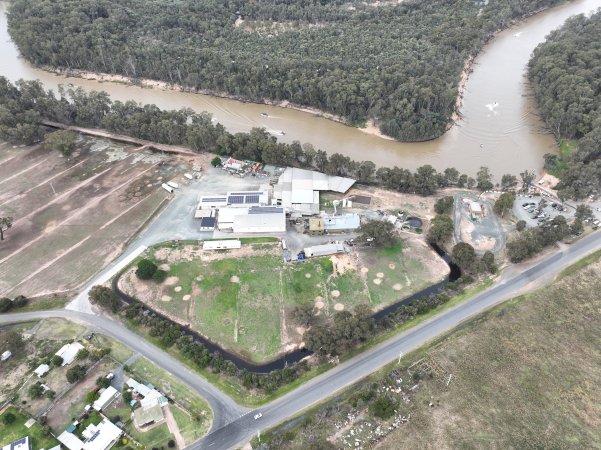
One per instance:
(500,127)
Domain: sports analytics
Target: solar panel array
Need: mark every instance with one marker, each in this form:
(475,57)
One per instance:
(239,199)
(215,199)
(246,193)
(265,210)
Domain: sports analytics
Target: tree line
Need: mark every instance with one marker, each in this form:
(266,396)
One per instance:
(25,104)
(397,63)
(564,72)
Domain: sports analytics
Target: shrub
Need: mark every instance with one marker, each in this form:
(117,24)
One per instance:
(75,373)
(171,443)
(8,418)
(83,354)
(444,205)
(382,407)
(105,297)
(92,396)
(159,276)
(216,161)
(521,225)
(56,360)
(103,382)
(146,269)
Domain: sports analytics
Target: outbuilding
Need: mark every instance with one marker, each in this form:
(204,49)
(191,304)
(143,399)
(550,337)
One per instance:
(42,370)
(106,398)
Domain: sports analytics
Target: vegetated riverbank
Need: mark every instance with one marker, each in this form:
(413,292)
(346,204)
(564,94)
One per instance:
(365,84)
(519,356)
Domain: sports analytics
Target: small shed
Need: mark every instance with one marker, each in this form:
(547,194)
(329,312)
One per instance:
(475,209)
(106,398)
(7,354)
(42,370)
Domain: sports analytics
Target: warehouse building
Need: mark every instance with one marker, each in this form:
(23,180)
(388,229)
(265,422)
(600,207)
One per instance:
(254,219)
(297,190)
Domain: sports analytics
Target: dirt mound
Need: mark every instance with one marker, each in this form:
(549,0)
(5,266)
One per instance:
(235,279)
(171,281)
(391,266)
(165,298)
(380,275)
(397,286)
(186,297)
(377,281)
(307,275)
(177,289)
(339,307)
(364,270)
(335,294)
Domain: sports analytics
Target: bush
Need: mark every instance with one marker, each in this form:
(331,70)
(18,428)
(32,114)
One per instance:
(127,397)
(444,205)
(171,443)
(103,382)
(146,269)
(8,418)
(75,373)
(56,360)
(83,354)
(5,304)
(36,390)
(521,225)
(105,297)
(92,396)
(382,407)
(159,276)
(216,161)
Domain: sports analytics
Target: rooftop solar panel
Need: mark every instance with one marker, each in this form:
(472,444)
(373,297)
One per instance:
(246,193)
(215,199)
(252,199)
(235,199)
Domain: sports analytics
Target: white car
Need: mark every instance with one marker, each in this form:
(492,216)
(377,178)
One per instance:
(258,416)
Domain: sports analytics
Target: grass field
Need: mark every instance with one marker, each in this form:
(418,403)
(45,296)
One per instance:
(244,299)
(18,430)
(524,375)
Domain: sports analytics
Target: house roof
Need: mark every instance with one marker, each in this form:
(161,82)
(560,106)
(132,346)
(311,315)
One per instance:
(142,416)
(342,222)
(107,396)
(20,444)
(475,207)
(69,351)
(102,435)
(42,369)
(140,388)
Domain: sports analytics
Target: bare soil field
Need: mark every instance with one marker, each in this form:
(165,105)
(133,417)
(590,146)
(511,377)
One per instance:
(72,215)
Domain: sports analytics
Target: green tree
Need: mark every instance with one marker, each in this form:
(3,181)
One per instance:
(83,354)
(105,297)
(146,269)
(76,373)
(484,179)
(527,179)
(382,232)
(62,141)
(103,382)
(504,203)
(5,304)
(441,229)
(444,205)
(127,397)
(216,161)
(382,407)
(583,212)
(5,224)
(92,396)
(56,360)
(464,256)
(508,181)
(488,259)
(520,225)
(8,418)
(35,390)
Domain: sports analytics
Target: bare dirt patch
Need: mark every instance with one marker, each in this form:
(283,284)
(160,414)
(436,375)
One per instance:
(165,298)
(165,267)
(307,275)
(397,286)
(391,266)
(380,275)
(377,281)
(171,281)
(335,294)
(235,279)
(186,297)
(177,288)
(339,307)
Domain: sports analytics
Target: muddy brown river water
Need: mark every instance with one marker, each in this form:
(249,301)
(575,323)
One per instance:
(499,128)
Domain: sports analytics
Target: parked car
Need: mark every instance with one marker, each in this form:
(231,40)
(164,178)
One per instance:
(258,416)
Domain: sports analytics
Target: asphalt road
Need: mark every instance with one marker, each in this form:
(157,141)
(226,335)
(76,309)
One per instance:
(326,385)
(233,425)
(225,410)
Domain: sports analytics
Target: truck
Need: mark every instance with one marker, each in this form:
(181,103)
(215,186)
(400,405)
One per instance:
(167,188)
(173,184)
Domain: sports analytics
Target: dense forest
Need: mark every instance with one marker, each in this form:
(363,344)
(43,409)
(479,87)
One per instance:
(565,72)
(25,104)
(398,63)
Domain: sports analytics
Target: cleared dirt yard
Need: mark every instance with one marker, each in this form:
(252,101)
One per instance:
(243,299)
(72,216)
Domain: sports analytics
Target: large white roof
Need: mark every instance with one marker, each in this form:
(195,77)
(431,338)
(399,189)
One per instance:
(107,396)
(69,351)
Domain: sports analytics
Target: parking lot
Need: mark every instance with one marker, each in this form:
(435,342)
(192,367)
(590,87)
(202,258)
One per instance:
(528,209)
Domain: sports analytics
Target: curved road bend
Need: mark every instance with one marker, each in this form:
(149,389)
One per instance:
(225,410)
(324,386)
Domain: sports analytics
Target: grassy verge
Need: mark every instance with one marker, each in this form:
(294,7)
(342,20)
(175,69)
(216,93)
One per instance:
(587,260)
(42,304)
(17,430)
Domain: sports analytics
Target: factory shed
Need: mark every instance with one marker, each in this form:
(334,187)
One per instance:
(261,220)
(340,223)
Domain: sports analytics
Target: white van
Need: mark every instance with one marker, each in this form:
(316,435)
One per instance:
(173,184)
(167,188)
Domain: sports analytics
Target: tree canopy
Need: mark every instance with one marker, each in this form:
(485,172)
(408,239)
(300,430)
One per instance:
(565,71)
(398,63)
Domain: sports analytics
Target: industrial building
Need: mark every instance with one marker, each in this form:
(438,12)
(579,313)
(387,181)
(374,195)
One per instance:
(255,219)
(297,190)
(327,224)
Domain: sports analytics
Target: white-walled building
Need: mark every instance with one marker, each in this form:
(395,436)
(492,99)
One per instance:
(68,352)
